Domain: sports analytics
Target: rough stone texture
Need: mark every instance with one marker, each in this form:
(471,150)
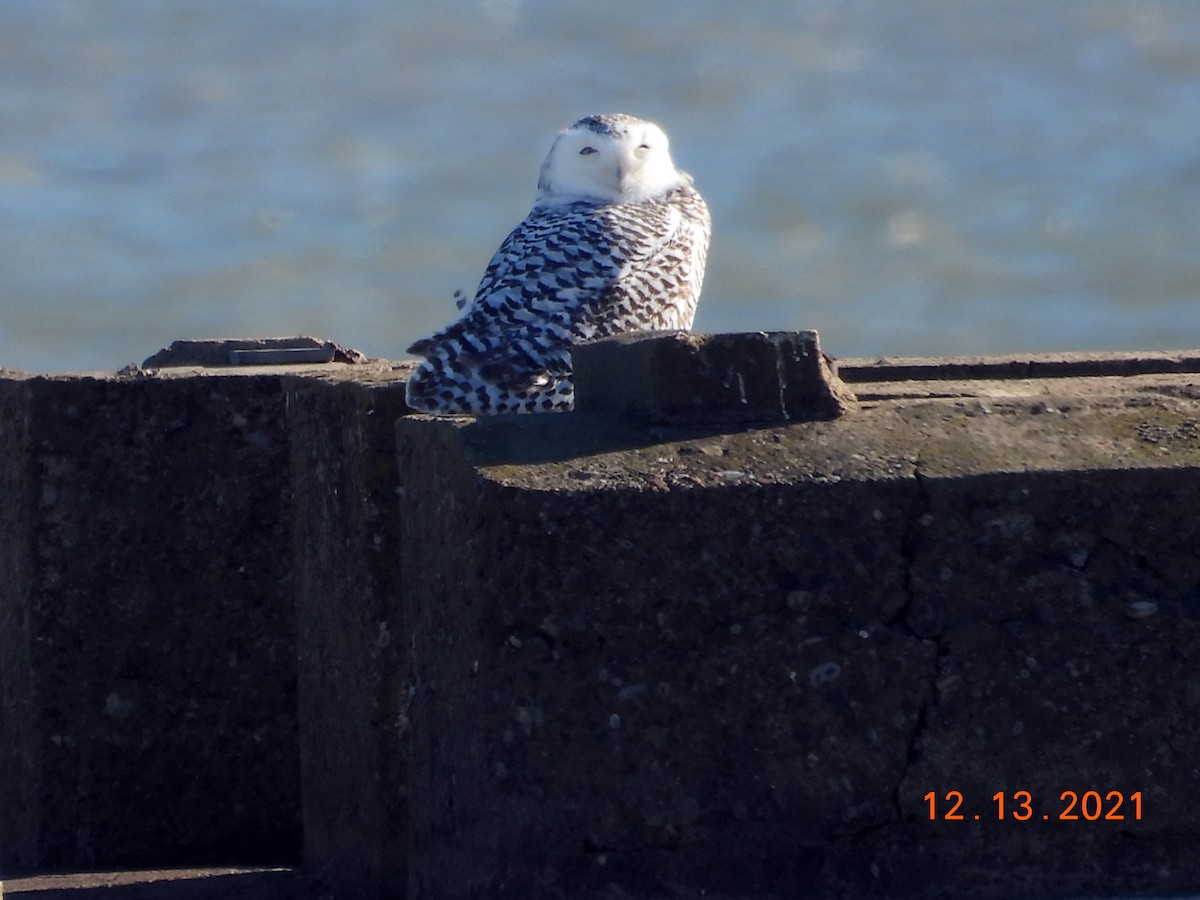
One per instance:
(171,884)
(679,377)
(147,572)
(222,352)
(351,634)
(150,562)
(1066,609)
(1033,365)
(632,659)
(661,662)
(607,696)
(19,819)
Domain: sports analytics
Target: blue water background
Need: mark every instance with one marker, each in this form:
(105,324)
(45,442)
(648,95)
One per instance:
(918,177)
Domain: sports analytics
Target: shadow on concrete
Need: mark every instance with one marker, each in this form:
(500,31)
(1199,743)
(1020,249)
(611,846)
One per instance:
(531,440)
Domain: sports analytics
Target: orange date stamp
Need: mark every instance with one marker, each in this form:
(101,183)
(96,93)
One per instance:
(1071,806)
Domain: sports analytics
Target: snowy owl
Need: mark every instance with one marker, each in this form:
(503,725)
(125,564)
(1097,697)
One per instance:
(615,242)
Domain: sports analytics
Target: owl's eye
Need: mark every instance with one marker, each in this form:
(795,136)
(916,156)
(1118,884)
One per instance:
(644,147)
(587,151)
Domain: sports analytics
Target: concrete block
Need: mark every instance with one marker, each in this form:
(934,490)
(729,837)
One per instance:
(1033,365)
(222,352)
(679,377)
(19,770)
(351,634)
(611,700)
(604,655)
(147,672)
(654,662)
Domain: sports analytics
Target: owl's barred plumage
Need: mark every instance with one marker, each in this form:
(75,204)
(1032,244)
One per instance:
(616,242)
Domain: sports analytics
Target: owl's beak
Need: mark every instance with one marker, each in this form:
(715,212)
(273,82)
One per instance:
(629,172)
(624,177)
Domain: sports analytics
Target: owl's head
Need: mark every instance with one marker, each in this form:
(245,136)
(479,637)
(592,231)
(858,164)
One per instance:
(612,159)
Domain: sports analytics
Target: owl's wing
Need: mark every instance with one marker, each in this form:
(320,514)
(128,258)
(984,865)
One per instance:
(562,276)
(565,275)
(549,272)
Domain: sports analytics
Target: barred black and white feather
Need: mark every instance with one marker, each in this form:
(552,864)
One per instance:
(613,244)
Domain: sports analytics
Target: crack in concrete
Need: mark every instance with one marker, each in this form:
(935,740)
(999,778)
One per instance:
(909,549)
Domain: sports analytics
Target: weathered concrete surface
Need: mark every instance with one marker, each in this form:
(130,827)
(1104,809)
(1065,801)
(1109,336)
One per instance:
(569,654)
(171,884)
(678,377)
(19,808)
(1032,365)
(351,632)
(677,663)
(151,563)
(147,623)
(219,353)
(149,673)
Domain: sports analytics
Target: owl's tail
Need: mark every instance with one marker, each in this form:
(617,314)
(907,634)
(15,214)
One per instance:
(438,388)
(466,376)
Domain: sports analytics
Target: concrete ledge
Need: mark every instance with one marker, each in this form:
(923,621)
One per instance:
(1034,365)
(148,572)
(676,663)
(172,884)
(679,377)
(19,771)
(148,699)
(222,352)
(603,655)
(351,633)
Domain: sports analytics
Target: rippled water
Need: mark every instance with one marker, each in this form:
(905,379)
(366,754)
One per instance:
(933,176)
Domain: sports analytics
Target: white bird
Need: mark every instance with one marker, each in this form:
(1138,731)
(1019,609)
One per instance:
(616,241)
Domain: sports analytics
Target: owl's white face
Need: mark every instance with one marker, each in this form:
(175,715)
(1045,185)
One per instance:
(613,159)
